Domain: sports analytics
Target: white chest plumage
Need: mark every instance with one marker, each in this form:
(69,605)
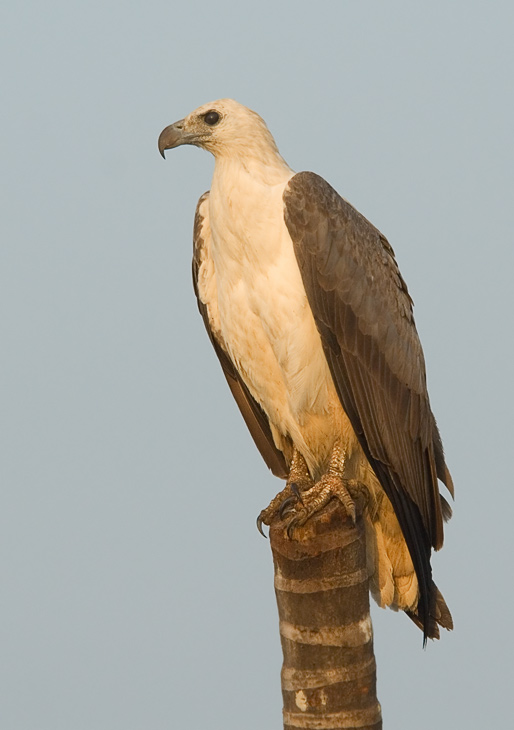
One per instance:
(257,303)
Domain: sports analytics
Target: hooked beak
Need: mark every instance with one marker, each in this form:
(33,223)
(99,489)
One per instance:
(174,136)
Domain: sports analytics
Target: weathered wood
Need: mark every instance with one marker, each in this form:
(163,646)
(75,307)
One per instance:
(321,585)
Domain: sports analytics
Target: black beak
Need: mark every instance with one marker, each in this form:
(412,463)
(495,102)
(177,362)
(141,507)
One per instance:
(173,136)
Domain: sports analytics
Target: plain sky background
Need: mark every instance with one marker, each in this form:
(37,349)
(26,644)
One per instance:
(136,593)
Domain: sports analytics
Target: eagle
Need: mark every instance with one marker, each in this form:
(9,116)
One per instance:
(312,322)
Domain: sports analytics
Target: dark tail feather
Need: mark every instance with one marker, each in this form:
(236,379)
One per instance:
(446,509)
(439,616)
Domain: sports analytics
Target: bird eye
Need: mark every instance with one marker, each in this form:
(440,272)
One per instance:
(211,118)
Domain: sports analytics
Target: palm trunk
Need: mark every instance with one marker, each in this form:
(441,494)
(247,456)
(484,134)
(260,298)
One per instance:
(321,584)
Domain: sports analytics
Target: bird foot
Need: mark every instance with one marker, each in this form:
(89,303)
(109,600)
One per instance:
(315,498)
(285,500)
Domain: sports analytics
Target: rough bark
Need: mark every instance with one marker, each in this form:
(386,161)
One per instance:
(321,584)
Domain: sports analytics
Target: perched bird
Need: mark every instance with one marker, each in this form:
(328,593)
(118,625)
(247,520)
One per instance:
(313,325)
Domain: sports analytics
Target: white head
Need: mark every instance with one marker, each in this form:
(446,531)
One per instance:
(225,128)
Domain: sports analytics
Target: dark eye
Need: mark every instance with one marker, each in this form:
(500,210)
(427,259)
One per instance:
(211,118)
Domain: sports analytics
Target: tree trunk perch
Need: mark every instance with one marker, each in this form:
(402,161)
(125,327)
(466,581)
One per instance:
(321,584)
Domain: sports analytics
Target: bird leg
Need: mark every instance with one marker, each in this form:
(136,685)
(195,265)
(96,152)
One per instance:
(298,481)
(330,485)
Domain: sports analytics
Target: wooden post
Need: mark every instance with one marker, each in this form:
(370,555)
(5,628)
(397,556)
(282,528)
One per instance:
(321,584)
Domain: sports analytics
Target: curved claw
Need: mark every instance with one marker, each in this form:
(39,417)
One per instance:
(294,522)
(286,506)
(294,488)
(259,526)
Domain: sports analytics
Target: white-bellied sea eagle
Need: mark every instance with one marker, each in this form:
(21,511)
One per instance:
(312,322)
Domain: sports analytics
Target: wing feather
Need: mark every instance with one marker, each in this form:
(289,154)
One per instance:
(363,312)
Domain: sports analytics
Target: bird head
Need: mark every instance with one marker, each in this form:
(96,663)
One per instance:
(223,127)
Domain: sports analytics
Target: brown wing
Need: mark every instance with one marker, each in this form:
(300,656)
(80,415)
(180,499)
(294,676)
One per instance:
(254,416)
(364,315)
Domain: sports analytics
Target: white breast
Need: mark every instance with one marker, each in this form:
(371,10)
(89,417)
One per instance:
(256,300)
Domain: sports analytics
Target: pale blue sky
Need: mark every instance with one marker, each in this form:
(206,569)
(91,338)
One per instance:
(136,593)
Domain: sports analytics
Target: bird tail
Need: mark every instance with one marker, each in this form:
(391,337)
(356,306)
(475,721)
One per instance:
(393,580)
(439,616)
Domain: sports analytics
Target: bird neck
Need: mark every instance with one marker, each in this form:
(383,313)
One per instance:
(261,162)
